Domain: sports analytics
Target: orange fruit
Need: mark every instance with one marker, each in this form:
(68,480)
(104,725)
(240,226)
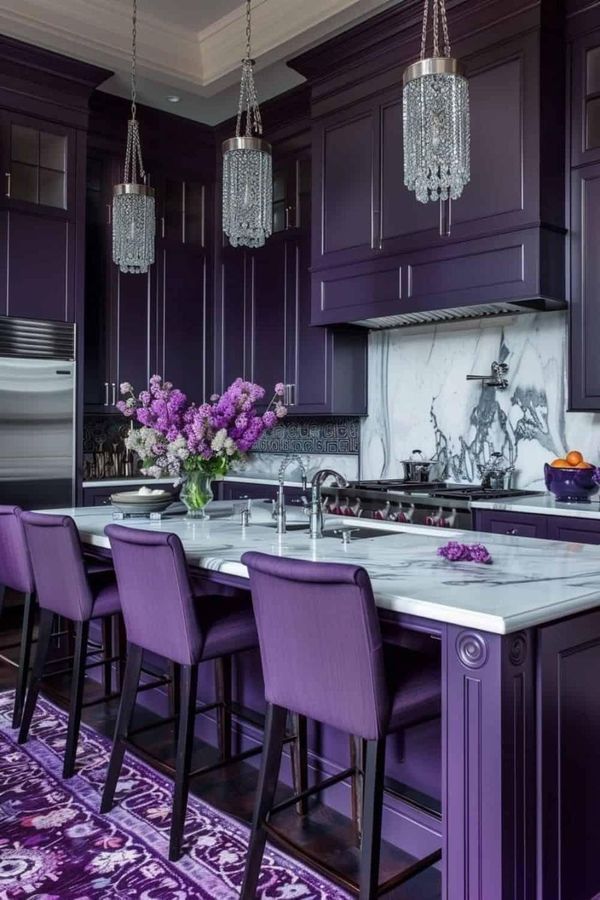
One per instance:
(574,457)
(584,465)
(560,464)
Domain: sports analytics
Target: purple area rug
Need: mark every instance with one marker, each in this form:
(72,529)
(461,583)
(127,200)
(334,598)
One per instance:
(55,844)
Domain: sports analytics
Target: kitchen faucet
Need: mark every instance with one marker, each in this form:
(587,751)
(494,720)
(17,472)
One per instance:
(279,505)
(316,510)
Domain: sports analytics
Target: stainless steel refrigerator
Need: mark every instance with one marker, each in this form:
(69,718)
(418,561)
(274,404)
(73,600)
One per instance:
(37,413)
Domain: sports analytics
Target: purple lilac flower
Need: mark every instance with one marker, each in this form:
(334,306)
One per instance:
(280,389)
(453,551)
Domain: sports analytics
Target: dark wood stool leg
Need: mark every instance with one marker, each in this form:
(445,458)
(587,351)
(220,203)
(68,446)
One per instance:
(24,658)
(223,696)
(185,741)
(373,808)
(107,644)
(126,706)
(299,757)
(121,648)
(43,645)
(174,690)
(357,761)
(78,677)
(267,784)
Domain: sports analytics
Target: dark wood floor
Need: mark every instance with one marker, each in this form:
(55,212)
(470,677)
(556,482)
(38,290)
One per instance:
(324,832)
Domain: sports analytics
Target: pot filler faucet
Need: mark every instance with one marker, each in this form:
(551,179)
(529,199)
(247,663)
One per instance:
(316,509)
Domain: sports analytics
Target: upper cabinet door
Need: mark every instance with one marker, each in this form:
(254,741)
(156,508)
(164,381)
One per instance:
(181,211)
(584,332)
(182,320)
(585,100)
(346,220)
(39,166)
(268,274)
(502,115)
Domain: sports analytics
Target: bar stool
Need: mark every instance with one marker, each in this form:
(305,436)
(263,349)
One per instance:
(17,575)
(163,616)
(323,657)
(65,588)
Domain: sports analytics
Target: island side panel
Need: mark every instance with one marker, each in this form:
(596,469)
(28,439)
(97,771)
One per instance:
(569,757)
(489,765)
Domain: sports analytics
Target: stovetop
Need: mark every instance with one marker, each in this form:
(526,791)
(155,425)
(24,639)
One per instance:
(438,489)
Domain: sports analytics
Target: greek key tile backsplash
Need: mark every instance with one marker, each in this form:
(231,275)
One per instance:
(331,437)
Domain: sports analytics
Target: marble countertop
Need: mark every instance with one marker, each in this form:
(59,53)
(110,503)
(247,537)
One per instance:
(239,477)
(531,582)
(543,504)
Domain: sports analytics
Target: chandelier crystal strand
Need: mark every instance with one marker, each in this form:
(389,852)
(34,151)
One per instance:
(133,213)
(436,117)
(247,165)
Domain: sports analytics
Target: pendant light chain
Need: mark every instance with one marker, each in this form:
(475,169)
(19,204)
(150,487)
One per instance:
(133,153)
(248,101)
(133,208)
(438,13)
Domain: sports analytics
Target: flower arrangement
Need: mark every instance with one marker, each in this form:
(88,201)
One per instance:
(196,443)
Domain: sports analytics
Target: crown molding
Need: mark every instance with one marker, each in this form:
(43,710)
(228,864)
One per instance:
(99,31)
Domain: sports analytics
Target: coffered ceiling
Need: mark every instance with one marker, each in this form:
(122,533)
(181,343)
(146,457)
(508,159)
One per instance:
(189,49)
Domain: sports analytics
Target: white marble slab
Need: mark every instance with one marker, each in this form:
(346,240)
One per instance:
(544,504)
(531,582)
(419,397)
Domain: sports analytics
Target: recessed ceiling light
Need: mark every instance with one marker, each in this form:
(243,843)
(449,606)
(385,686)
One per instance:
(173,98)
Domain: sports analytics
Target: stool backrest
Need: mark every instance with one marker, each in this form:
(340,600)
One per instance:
(58,566)
(15,565)
(320,642)
(155,591)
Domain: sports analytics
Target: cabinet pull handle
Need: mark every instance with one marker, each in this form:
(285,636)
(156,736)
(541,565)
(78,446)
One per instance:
(162,226)
(114,394)
(106,393)
(109,213)
(7,174)
(292,394)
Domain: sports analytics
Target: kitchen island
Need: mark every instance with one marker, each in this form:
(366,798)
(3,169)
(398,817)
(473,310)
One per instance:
(519,664)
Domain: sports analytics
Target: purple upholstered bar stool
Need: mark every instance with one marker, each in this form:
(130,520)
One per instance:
(323,657)
(64,588)
(163,616)
(16,574)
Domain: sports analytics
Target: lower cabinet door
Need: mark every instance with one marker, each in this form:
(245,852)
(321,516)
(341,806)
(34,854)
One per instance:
(580,531)
(515,524)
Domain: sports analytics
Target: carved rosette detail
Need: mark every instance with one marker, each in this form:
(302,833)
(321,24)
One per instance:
(472,649)
(517,652)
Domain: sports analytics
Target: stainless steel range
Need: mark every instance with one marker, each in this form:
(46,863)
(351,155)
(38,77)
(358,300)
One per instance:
(435,503)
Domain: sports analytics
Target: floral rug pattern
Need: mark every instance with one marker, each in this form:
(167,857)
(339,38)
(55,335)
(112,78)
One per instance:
(55,845)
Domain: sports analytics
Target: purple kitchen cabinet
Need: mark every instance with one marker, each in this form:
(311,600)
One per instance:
(584,362)
(568,725)
(43,121)
(585,93)
(376,251)
(270,270)
(572,530)
(515,524)
(159,322)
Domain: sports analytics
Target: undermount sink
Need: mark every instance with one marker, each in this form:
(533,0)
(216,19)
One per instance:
(357,534)
(290,526)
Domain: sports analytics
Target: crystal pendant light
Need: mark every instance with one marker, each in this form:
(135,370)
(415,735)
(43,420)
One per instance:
(133,213)
(436,118)
(247,167)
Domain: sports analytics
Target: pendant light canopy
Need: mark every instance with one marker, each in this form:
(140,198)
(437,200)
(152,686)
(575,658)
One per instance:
(436,118)
(247,166)
(133,215)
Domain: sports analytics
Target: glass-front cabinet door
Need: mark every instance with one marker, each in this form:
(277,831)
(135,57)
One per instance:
(39,165)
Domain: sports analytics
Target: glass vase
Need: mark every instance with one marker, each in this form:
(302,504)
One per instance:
(196,494)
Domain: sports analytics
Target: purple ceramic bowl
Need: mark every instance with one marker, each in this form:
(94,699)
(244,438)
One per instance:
(572,485)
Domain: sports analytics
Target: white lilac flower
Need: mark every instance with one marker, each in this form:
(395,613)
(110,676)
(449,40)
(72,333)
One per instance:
(219,440)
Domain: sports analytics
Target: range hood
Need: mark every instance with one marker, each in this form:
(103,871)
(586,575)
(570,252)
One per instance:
(458,313)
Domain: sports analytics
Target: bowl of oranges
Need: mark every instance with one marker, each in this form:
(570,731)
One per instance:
(572,479)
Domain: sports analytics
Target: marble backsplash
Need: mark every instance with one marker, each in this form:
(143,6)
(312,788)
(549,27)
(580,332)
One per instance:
(419,398)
